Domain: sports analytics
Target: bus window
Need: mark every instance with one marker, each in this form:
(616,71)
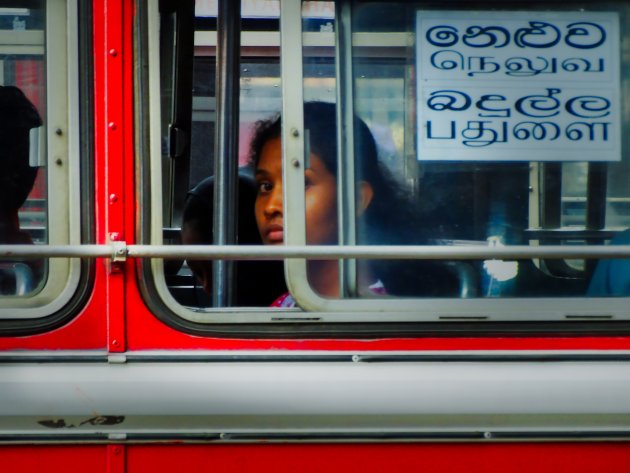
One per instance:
(434,124)
(188,125)
(436,87)
(38,142)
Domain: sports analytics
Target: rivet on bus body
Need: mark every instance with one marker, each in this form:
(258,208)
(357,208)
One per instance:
(112,126)
(115,343)
(295,163)
(113,198)
(58,132)
(117,450)
(58,162)
(114,236)
(295,132)
(113,52)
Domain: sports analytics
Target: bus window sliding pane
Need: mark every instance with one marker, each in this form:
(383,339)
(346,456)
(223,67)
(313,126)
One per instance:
(39,140)
(452,154)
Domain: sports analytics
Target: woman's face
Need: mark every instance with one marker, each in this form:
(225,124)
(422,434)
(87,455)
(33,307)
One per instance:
(320,197)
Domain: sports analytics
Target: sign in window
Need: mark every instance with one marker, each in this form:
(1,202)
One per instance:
(499,86)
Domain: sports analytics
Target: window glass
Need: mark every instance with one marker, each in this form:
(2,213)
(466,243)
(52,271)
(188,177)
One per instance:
(420,123)
(23,94)
(39,151)
(497,123)
(188,182)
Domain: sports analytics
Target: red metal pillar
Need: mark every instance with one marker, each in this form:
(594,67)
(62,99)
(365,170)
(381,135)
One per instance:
(113,115)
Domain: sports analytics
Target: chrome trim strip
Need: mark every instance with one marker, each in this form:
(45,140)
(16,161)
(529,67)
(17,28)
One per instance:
(254,252)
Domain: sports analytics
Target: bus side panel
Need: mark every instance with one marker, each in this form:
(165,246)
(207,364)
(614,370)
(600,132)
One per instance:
(386,458)
(307,458)
(54,459)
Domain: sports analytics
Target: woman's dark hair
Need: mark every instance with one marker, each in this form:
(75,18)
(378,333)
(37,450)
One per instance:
(320,124)
(392,217)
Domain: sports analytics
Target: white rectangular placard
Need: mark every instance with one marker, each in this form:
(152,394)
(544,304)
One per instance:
(518,86)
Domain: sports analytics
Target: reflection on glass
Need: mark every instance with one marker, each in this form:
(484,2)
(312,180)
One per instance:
(488,200)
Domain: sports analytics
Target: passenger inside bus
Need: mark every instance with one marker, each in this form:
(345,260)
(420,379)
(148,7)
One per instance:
(197,229)
(386,215)
(17,177)
(612,276)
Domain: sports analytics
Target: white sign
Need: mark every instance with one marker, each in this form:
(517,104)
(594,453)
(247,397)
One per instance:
(518,86)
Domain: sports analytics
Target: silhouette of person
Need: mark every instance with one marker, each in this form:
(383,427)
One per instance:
(17,117)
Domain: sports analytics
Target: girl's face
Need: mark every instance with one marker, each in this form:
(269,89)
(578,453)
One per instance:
(321,198)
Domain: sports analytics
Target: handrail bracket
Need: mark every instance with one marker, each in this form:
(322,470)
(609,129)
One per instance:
(120,251)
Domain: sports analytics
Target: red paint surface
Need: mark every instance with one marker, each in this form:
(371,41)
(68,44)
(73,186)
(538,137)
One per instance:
(317,458)
(116,459)
(115,123)
(53,459)
(379,458)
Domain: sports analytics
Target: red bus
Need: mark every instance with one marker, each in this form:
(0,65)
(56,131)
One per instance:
(445,285)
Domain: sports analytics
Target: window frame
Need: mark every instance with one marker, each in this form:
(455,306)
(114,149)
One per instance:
(66,170)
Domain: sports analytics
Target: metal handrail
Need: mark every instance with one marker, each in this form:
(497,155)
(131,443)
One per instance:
(120,251)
